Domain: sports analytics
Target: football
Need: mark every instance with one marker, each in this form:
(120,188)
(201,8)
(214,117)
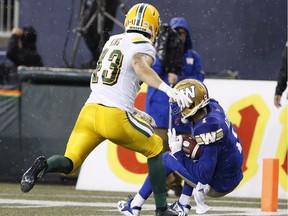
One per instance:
(191,148)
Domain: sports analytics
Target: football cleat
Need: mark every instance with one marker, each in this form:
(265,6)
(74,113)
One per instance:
(169,212)
(126,209)
(177,206)
(199,196)
(36,171)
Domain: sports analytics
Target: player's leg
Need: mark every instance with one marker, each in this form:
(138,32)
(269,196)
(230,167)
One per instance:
(183,203)
(135,203)
(200,191)
(85,136)
(137,135)
(59,164)
(172,179)
(82,141)
(162,132)
(146,190)
(171,165)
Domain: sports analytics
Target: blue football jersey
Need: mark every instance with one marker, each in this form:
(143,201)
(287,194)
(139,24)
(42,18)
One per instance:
(220,163)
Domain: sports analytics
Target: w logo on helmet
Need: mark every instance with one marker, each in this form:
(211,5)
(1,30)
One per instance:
(198,94)
(189,91)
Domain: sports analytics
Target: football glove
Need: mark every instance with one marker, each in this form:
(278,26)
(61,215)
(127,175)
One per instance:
(145,116)
(175,142)
(182,100)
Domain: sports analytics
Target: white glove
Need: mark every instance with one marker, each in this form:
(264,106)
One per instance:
(175,142)
(145,116)
(181,99)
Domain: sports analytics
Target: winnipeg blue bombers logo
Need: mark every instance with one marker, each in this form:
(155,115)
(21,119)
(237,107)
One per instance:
(189,91)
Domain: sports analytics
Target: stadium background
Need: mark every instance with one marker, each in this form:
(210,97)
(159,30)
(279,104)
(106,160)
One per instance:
(36,118)
(242,35)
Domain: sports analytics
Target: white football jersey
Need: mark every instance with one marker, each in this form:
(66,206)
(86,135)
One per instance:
(114,82)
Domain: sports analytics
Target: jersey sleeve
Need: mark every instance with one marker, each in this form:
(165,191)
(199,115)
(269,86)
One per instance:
(143,45)
(209,131)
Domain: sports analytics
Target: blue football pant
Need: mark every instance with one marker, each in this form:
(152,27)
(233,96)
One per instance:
(172,165)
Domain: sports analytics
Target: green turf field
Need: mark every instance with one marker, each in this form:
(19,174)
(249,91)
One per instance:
(62,200)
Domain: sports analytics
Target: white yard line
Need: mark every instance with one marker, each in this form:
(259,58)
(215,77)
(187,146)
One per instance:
(210,200)
(237,211)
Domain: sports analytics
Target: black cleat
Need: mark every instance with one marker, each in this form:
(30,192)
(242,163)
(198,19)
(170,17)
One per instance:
(169,212)
(36,171)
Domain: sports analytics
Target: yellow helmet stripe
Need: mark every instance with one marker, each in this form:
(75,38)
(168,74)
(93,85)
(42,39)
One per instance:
(140,14)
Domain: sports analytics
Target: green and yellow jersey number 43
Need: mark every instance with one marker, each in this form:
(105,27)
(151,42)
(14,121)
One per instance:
(109,75)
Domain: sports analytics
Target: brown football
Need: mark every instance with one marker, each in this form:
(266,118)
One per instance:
(191,148)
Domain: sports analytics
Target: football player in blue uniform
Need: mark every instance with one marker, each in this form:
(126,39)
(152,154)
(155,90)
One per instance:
(218,171)
(157,103)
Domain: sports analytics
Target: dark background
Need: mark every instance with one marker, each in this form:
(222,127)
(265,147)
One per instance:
(40,120)
(243,35)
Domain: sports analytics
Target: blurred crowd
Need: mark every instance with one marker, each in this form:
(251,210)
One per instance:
(21,50)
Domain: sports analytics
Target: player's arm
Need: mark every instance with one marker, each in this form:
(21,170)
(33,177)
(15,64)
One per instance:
(141,64)
(204,168)
(209,135)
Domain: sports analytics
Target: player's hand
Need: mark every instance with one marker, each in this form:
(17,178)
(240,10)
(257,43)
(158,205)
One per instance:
(182,100)
(145,116)
(175,142)
(17,31)
(277,101)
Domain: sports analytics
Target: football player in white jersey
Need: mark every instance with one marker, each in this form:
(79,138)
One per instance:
(109,112)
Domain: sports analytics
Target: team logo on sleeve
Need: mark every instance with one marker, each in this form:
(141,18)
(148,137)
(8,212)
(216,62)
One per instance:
(210,137)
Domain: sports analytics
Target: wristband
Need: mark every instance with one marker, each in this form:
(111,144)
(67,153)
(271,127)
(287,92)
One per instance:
(164,87)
